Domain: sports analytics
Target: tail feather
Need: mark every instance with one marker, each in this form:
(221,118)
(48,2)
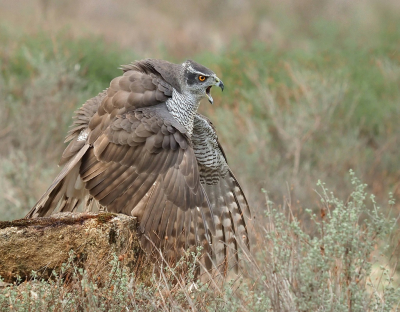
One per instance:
(62,190)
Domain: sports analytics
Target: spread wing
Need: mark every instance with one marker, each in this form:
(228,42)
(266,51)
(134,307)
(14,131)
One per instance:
(228,203)
(143,165)
(128,154)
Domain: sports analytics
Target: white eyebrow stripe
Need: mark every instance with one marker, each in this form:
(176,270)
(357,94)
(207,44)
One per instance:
(192,70)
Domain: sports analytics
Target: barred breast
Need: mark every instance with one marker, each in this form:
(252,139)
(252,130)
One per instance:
(226,198)
(210,157)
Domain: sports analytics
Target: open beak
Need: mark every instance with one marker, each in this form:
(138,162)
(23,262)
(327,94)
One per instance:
(218,83)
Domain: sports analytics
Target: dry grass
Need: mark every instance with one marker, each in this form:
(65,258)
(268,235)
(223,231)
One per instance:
(183,29)
(331,270)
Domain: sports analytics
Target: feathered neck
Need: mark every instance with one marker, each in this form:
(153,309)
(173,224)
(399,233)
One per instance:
(184,108)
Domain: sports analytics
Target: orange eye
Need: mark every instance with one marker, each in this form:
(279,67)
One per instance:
(202,78)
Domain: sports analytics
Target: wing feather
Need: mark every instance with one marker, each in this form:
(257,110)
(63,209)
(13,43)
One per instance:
(226,198)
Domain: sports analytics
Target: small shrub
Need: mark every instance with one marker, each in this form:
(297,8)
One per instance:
(331,268)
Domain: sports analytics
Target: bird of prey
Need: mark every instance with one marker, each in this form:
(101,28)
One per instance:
(140,148)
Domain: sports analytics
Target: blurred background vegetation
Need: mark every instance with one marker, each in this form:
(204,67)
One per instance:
(312,86)
(312,91)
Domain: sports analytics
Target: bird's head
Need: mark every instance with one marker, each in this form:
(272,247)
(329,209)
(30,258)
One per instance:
(198,80)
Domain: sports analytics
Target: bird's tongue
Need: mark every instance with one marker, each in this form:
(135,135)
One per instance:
(208,93)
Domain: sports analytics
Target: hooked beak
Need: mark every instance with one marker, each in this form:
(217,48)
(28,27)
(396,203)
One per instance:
(218,83)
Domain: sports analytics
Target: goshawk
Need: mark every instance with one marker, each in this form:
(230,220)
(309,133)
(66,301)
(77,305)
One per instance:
(140,148)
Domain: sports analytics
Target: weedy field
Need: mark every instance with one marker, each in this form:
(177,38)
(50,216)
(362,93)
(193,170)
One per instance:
(312,91)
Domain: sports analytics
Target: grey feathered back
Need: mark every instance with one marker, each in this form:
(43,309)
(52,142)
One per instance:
(168,71)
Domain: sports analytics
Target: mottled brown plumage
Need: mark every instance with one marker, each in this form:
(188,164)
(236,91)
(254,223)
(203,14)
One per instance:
(140,148)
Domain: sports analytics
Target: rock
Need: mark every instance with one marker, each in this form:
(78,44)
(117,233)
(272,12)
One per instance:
(44,244)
